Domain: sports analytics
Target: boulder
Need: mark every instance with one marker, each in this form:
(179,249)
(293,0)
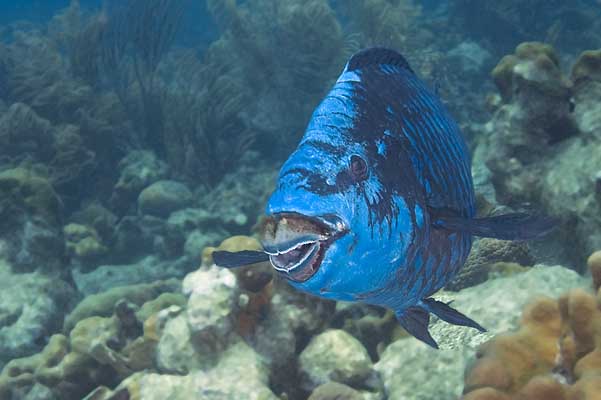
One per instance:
(335,356)
(32,307)
(164,197)
(496,304)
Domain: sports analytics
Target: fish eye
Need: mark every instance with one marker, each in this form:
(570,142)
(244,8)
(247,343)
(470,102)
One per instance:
(358,168)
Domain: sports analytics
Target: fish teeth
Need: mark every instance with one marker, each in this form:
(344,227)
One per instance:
(297,264)
(295,246)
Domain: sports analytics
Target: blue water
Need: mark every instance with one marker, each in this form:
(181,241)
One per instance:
(198,28)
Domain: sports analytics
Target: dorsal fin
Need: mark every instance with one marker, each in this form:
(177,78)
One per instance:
(377,56)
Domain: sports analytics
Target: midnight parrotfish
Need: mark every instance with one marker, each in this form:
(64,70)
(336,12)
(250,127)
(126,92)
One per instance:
(376,204)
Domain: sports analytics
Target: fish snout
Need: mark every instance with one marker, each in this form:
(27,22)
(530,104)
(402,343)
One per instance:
(296,244)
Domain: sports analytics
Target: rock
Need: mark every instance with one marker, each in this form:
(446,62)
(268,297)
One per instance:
(139,169)
(238,361)
(197,240)
(136,236)
(192,339)
(32,307)
(568,191)
(213,295)
(176,353)
(335,391)
(190,219)
(407,364)
(587,67)
(373,326)
(147,270)
(199,229)
(496,304)
(239,198)
(471,56)
(31,215)
(286,322)
(334,356)
(485,253)
(164,197)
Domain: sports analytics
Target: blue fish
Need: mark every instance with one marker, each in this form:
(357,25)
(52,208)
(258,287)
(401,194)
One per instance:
(376,204)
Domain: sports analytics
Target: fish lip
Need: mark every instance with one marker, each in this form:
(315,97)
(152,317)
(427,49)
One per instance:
(330,225)
(316,246)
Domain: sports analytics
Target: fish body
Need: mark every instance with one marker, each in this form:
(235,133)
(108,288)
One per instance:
(377,204)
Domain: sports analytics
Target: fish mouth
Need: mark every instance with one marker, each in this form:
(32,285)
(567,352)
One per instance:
(296,243)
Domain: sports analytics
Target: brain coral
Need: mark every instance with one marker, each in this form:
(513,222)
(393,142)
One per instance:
(555,355)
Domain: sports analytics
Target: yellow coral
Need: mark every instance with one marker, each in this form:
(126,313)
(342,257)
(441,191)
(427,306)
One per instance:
(555,335)
(512,66)
(234,243)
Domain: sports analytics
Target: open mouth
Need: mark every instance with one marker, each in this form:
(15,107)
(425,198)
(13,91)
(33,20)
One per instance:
(296,244)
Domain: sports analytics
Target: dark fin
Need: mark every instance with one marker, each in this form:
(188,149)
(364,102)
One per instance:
(515,226)
(228,259)
(377,56)
(450,315)
(415,320)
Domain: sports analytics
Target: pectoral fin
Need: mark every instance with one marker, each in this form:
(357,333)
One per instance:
(516,226)
(228,259)
(415,321)
(450,315)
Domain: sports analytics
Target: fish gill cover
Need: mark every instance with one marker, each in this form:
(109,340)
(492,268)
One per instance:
(138,137)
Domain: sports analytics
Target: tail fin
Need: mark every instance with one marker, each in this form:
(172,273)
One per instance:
(516,226)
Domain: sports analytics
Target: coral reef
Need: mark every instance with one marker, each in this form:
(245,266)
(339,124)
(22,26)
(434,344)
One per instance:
(137,170)
(32,307)
(531,80)
(147,270)
(586,77)
(553,355)
(107,338)
(32,214)
(164,197)
(489,257)
(554,163)
(496,304)
(131,148)
(103,304)
(83,244)
(336,356)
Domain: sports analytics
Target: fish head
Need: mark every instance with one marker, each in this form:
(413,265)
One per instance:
(335,225)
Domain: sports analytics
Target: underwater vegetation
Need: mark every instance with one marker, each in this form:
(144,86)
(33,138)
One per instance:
(559,23)
(131,150)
